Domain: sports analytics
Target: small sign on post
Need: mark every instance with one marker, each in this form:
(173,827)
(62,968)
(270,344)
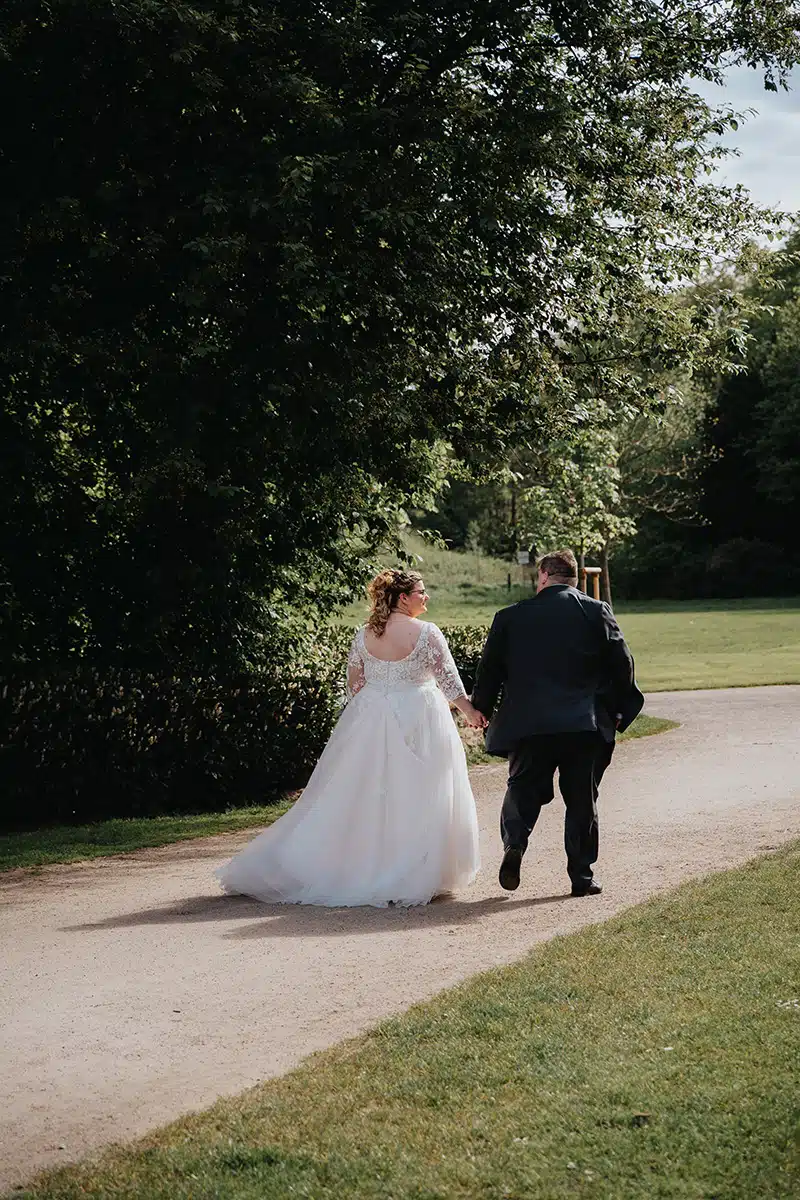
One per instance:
(527,561)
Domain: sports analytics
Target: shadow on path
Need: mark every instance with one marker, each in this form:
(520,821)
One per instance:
(298,920)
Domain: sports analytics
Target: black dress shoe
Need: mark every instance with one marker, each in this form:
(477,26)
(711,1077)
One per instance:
(587,889)
(509,869)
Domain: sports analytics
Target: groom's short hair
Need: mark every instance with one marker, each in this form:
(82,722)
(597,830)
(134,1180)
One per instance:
(560,564)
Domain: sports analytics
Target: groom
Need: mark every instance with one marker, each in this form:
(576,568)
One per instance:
(568,685)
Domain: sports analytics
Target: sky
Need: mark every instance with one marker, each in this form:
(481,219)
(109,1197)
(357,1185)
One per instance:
(769,143)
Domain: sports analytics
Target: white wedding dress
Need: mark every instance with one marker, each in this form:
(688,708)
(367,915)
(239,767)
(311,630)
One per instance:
(388,814)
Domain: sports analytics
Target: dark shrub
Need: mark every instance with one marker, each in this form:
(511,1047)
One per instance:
(86,745)
(750,567)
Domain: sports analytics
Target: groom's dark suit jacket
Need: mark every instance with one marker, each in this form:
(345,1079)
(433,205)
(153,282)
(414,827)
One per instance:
(562,665)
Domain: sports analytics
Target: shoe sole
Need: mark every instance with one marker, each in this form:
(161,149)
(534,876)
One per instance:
(509,871)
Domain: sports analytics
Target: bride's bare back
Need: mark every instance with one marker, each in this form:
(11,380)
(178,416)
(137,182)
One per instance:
(397,640)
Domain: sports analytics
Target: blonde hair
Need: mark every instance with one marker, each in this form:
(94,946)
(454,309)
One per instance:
(384,592)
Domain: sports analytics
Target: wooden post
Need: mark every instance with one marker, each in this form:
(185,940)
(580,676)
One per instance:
(606,576)
(595,573)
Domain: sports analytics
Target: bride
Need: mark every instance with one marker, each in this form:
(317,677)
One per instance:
(388,814)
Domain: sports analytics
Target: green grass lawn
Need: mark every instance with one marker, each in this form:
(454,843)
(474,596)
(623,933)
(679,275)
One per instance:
(677,645)
(73,843)
(653,1057)
(715,644)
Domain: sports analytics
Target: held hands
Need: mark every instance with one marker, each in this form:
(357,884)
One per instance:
(473,717)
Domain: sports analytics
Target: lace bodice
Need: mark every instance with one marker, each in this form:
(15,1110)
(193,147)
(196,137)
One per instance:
(430,659)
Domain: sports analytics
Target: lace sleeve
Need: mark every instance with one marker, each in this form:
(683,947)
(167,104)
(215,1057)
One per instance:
(443,666)
(355,668)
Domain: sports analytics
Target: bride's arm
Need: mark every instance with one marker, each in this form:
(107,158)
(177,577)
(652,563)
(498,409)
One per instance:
(355,668)
(446,674)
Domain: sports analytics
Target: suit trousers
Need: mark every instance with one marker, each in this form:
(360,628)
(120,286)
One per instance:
(580,759)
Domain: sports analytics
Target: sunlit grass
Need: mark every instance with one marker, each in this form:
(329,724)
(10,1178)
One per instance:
(73,843)
(733,644)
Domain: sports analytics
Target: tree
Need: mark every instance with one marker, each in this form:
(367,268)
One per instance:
(662,458)
(662,461)
(575,499)
(705,477)
(264,266)
(752,485)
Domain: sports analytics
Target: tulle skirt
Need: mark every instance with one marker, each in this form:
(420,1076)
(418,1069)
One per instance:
(387,817)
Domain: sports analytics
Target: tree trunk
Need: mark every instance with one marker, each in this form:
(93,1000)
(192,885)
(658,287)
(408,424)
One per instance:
(514,533)
(605,578)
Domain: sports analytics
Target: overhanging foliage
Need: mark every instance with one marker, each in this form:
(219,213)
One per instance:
(261,263)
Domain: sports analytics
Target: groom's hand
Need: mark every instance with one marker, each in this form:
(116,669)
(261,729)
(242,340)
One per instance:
(473,716)
(481,720)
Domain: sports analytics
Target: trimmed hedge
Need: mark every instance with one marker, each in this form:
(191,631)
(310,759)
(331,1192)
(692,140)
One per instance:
(85,745)
(466,643)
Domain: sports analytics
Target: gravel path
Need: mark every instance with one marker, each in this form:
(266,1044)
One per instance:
(131,992)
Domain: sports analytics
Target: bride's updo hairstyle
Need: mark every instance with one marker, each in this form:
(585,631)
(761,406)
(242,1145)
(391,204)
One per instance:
(384,593)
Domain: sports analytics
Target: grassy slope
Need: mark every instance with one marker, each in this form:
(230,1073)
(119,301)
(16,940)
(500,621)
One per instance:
(464,588)
(653,1057)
